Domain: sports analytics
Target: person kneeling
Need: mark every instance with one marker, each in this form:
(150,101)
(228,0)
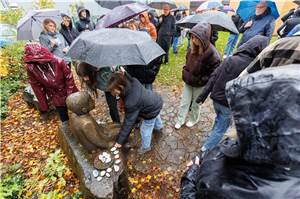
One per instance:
(138,102)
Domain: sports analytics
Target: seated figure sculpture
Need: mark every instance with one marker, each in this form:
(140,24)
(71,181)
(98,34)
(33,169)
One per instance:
(88,132)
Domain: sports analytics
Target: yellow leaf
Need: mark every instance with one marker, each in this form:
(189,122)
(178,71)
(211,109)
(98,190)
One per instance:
(133,190)
(138,186)
(148,178)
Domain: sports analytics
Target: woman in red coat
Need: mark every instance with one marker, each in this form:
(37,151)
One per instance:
(50,78)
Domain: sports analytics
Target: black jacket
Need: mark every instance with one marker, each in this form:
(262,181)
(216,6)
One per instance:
(84,23)
(167,26)
(70,33)
(138,102)
(145,74)
(230,68)
(264,162)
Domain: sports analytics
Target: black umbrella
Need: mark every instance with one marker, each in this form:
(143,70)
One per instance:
(159,4)
(219,20)
(194,4)
(113,47)
(110,4)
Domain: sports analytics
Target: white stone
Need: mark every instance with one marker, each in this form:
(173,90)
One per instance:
(108,170)
(116,152)
(99,178)
(107,175)
(102,173)
(117,156)
(118,161)
(113,149)
(95,173)
(116,168)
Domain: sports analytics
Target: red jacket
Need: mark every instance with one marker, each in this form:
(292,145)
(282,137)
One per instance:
(48,76)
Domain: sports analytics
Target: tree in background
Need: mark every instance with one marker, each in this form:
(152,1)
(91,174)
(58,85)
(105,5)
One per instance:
(11,16)
(42,4)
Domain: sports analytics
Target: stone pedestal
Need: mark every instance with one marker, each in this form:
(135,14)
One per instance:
(114,187)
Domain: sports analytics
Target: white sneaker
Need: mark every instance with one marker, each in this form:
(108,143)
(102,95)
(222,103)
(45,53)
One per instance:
(191,124)
(177,126)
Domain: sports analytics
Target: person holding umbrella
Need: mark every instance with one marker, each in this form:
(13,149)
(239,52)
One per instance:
(50,78)
(166,30)
(84,23)
(138,102)
(67,30)
(54,41)
(262,23)
(201,60)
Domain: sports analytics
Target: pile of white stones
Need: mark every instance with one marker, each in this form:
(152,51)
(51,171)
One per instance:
(106,158)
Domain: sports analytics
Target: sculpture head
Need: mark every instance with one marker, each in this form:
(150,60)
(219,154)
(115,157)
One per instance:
(80,102)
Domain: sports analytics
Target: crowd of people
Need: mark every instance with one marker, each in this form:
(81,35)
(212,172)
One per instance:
(204,72)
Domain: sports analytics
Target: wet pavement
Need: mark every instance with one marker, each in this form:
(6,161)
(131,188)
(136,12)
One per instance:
(172,148)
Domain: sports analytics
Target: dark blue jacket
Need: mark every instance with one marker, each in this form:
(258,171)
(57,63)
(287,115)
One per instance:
(262,25)
(138,102)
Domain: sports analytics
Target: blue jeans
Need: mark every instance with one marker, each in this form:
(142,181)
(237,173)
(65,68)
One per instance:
(232,40)
(148,86)
(147,130)
(175,44)
(222,123)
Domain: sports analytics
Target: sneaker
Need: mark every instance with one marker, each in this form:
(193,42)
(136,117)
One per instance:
(142,151)
(191,124)
(177,126)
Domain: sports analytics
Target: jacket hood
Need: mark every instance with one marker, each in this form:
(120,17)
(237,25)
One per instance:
(81,8)
(203,32)
(266,111)
(145,15)
(71,24)
(37,53)
(253,47)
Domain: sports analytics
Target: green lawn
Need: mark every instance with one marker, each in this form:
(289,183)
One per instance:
(170,74)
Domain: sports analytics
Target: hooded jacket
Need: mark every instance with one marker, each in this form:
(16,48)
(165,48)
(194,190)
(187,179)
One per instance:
(261,25)
(198,68)
(48,76)
(84,24)
(70,33)
(148,26)
(138,102)
(230,69)
(45,40)
(265,165)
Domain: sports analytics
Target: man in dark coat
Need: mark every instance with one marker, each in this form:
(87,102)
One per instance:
(262,23)
(67,30)
(84,23)
(289,24)
(229,69)
(166,30)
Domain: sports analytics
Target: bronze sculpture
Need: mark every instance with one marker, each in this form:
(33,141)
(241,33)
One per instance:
(88,132)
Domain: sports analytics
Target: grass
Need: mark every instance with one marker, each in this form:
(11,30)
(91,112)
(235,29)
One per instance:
(171,74)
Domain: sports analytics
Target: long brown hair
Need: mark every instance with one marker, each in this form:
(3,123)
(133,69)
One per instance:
(117,81)
(85,69)
(196,49)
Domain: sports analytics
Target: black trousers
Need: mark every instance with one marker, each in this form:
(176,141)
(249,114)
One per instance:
(113,107)
(165,42)
(63,113)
